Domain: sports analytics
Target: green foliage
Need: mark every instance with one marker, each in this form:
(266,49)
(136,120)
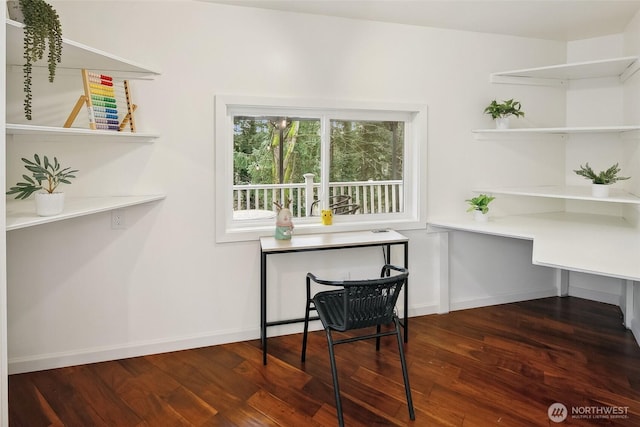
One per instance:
(504,109)
(366,150)
(50,173)
(42,24)
(360,150)
(480,203)
(256,150)
(608,176)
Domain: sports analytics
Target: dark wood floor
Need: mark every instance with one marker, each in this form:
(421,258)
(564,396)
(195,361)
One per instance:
(493,366)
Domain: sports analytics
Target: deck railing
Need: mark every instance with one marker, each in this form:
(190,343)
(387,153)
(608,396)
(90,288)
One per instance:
(370,196)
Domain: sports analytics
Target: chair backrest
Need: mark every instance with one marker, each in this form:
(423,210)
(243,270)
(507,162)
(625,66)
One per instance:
(372,302)
(346,209)
(335,202)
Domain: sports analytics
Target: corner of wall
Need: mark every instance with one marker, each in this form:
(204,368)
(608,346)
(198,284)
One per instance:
(632,36)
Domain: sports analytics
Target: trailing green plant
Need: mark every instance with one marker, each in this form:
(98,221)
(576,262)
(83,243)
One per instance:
(504,109)
(480,203)
(608,176)
(42,28)
(44,176)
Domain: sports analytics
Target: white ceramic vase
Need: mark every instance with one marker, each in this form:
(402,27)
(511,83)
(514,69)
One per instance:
(600,190)
(502,123)
(480,217)
(49,204)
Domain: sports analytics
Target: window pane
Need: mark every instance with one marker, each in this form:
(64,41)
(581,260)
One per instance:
(270,158)
(367,166)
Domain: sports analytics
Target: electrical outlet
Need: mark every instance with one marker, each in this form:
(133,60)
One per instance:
(117,220)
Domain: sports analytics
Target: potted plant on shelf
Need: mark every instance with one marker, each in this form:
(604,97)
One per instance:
(47,177)
(501,112)
(601,181)
(42,29)
(479,205)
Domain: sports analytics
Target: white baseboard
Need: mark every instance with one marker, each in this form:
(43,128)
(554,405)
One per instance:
(502,299)
(101,354)
(635,329)
(590,294)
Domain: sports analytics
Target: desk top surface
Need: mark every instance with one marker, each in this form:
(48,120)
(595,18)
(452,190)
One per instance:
(331,240)
(588,243)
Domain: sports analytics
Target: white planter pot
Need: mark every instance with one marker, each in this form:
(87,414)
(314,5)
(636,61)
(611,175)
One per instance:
(49,204)
(600,190)
(502,123)
(480,217)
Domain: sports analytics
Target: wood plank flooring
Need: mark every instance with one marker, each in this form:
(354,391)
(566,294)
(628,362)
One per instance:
(493,366)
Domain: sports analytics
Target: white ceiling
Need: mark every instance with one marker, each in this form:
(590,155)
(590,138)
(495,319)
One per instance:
(563,20)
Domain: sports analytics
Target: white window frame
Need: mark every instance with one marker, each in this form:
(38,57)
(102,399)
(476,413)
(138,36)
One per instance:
(414,174)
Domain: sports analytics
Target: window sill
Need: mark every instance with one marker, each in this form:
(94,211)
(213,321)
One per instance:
(305,226)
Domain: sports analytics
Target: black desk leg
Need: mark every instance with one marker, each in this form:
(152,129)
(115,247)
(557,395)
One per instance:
(263,305)
(406,294)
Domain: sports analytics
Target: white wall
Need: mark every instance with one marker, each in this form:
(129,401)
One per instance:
(81,292)
(4,410)
(603,102)
(632,112)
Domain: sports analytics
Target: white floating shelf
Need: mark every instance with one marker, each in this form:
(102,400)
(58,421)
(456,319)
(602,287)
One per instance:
(76,56)
(20,129)
(630,132)
(569,192)
(559,130)
(559,75)
(21,213)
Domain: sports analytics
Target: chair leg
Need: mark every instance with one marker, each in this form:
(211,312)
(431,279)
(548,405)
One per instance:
(405,374)
(334,373)
(303,356)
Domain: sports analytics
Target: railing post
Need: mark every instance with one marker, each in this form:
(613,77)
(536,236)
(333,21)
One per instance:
(308,192)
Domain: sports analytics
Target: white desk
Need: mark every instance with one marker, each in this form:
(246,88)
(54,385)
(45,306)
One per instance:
(595,244)
(318,242)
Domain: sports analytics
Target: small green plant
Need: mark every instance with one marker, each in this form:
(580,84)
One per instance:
(606,177)
(41,24)
(480,203)
(46,176)
(504,109)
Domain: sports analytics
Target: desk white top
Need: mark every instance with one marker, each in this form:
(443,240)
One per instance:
(331,240)
(597,244)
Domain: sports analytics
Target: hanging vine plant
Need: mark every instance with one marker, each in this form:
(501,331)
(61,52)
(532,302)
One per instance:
(42,28)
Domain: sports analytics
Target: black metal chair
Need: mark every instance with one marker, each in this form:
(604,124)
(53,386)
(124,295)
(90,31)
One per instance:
(358,304)
(335,202)
(349,209)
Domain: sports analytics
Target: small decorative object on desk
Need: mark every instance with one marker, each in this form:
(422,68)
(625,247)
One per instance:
(284,224)
(500,112)
(47,177)
(480,207)
(601,181)
(327,217)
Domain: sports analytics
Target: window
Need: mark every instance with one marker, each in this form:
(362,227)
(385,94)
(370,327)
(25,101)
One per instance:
(366,162)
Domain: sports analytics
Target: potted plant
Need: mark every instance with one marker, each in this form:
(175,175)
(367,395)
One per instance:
(44,180)
(501,112)
(601,181)
(479,205)
(42,29)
